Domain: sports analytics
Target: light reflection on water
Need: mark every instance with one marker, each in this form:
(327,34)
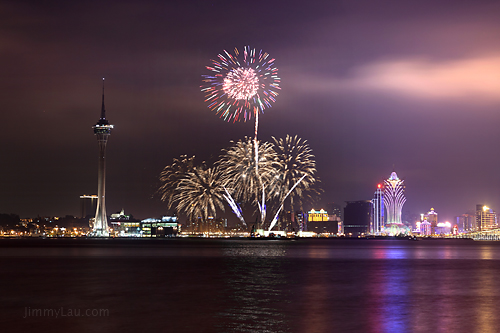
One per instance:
(258,286)
(253,277)
(255,250)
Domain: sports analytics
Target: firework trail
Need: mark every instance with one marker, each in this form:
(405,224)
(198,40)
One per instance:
(234,206)
(275,219)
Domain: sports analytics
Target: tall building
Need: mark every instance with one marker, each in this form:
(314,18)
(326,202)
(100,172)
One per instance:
(394,198)
(88,205)
(300,218)
(377,224)
(486,218)
(466,222)
(102,130)
(357,217)
(432,218)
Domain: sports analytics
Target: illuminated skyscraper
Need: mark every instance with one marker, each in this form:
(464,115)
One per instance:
(394,198)
(432,218)
(377,224)
(486,218)
(102,130)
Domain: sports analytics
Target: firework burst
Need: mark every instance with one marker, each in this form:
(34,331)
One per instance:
(172,175)
(241,84)
(295,170)
(239,169)
(200,193)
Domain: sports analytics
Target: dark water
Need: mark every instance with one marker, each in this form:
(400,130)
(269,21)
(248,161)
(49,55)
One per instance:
(203,285)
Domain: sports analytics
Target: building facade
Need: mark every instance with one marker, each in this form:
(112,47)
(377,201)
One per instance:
(466,222)
(425,228)
(432,218)
(394,199)
(357,217)
(486,218)
(321,222)
(377,224)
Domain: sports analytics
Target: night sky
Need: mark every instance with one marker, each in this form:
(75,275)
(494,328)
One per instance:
(370,85)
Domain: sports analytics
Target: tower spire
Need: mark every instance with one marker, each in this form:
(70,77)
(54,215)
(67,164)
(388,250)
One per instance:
(103,110)
(103,121)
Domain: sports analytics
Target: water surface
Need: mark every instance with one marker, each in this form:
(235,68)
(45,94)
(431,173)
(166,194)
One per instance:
(207,285)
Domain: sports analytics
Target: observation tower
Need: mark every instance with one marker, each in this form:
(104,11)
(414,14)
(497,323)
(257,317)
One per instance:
(102,130)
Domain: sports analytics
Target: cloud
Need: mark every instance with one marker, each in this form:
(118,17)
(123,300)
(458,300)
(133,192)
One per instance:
(475,78)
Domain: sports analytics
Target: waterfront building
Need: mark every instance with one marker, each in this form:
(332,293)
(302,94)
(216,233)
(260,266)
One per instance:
(425,228)
(317,215)
(394,199)
(288,221)
(486,218)
(102,130)
(124,225)
(377,224)
(213,225)
(167,226)
(432,218)
(126,228)
(196,225)
(301,219)
(466,223)
(321,222)
(357,217)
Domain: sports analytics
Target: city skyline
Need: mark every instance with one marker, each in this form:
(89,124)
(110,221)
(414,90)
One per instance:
(411,84)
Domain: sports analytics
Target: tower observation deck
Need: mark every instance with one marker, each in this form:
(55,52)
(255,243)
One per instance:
(102,129)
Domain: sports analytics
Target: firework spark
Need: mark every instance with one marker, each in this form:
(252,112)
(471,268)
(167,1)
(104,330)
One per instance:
(295,160)
(241,84)
(172,175)
(200,193)
(295,172)
(239,172)
(234,206)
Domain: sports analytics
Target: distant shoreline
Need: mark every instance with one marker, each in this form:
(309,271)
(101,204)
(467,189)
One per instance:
(69,242)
